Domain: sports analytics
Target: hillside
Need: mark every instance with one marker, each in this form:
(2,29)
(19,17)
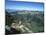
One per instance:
(26,21)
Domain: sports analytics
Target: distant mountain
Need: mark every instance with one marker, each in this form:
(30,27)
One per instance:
(10,10)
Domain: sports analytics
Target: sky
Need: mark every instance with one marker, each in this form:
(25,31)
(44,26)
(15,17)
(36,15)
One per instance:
(21,5)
